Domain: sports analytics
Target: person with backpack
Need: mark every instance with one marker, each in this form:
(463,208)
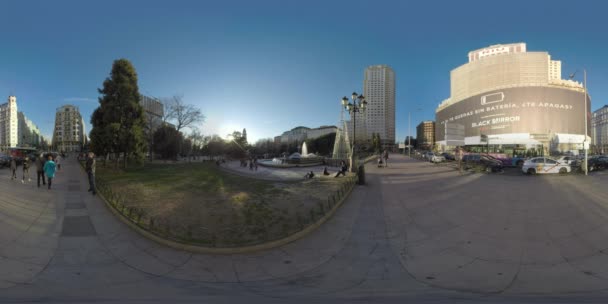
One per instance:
(40,169)
(49,170)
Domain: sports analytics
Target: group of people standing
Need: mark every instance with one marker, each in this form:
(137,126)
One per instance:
(252,163)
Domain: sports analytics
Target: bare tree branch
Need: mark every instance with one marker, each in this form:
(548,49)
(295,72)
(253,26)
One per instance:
(184,115)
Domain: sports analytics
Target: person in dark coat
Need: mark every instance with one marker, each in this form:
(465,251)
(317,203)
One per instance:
(343,169)
(40,169)
(13,168)
(90,169)
(26,170)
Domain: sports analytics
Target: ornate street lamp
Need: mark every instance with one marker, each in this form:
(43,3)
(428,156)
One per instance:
(357,105)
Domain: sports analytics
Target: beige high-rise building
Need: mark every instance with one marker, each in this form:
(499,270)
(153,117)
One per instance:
(425,135)
(69,134)
(504,66)
(379,92)
(9,123)
(509,99)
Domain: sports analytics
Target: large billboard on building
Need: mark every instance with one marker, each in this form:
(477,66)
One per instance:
(534,110)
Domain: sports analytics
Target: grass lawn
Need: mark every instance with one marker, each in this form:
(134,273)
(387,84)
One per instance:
(199,203)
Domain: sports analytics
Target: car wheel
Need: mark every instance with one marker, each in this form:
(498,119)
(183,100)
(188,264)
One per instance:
(563,171)
(531,171)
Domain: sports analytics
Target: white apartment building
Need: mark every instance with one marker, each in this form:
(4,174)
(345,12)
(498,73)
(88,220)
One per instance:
(9,123)
(599,129)
(299,134)
(69,134)
(28,133)
(379,92)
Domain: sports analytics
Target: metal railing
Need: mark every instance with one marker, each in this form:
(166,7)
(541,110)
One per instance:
(175,230)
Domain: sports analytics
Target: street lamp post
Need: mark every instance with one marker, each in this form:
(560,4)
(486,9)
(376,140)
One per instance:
(357,105)
(585,147)
(409,127)
(585,144)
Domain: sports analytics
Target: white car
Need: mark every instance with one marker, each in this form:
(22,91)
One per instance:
(436,158)
(543,165)
(568,160)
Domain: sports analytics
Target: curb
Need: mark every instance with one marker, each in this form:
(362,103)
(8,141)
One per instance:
(227,250)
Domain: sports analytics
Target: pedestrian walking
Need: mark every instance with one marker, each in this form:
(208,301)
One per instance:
(58,162)
(90,169)
(49,170)
(385,156)
(26,170)
(13,168)
(40,169)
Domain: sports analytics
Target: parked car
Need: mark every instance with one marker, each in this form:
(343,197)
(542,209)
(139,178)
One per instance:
(436,158)
(427,155)
(448,156)
(5,160)
(568,160)
(486,162)
(544,165)
(596,163)
(517,161)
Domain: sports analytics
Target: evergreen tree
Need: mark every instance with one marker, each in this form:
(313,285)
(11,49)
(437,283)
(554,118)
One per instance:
(244,136)
(118,122)
(166,142)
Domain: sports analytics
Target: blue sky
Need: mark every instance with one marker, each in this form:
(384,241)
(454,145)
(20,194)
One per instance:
(269,66)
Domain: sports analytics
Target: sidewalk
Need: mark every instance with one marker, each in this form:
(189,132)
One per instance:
(67,230)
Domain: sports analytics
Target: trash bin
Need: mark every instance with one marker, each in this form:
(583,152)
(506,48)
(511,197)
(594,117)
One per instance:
(361,175)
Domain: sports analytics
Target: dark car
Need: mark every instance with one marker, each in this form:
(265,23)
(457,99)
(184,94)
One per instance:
(5,160)
(485,162)
(448,156)
(596,163)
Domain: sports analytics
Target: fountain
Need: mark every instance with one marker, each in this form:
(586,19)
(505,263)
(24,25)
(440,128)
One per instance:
(296,159)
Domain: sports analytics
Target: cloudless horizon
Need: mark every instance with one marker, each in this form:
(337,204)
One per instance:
(269,66)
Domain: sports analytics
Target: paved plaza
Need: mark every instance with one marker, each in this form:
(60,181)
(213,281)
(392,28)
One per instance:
(416,232)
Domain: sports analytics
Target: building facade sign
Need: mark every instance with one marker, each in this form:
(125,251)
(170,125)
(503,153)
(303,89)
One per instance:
(535,110)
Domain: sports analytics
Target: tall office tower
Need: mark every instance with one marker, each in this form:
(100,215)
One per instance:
(69,134)
(9,123)
(379,92)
